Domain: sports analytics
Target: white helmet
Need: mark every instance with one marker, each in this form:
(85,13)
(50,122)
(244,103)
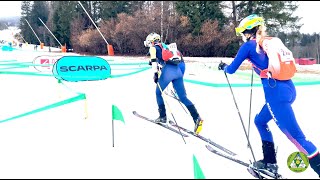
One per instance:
(152,37)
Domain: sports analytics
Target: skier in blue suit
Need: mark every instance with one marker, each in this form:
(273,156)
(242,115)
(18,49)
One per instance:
(279,96)
(164,73)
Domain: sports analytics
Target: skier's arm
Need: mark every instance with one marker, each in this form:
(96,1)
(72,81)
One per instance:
(153,59)
(242,55)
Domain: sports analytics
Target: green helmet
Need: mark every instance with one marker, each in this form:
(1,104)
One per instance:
(248,23)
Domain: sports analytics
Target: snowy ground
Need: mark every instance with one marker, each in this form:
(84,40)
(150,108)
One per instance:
(61,143)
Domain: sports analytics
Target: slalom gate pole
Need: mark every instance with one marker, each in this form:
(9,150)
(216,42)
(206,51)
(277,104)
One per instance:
(250,104)
(254,159)
(165,100)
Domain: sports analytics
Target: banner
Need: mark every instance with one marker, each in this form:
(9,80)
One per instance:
(45,63)
(81,68)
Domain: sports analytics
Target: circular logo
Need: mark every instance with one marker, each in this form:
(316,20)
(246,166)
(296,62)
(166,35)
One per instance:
(298,162)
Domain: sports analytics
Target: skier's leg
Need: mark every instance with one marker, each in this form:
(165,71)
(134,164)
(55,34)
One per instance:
(286,121)
(269,161)
(178,85)
(163,81)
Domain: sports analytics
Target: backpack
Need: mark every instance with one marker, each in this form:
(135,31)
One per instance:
(170,53)
(282,64)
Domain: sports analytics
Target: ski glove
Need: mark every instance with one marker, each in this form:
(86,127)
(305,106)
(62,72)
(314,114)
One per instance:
(222,66)
(155,77)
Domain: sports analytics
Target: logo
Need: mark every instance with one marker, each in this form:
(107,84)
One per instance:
(81,68)
(45,63)
(298,162)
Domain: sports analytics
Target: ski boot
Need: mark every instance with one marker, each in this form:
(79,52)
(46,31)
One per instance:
(163,117)
(161,120)
(198,125)
(268,165)
(268,169)
(196,118)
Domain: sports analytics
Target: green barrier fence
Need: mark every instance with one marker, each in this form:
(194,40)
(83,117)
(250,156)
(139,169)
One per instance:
(57,104)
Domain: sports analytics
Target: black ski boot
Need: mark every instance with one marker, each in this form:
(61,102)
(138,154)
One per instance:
(196,118)
(163,117)
(315,164)
(269,161)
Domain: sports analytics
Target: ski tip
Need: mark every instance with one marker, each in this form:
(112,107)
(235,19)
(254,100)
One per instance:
(253,173)
(209,147)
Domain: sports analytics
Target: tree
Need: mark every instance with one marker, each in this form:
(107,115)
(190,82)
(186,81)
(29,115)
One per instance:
(62,18)
(49,23)
(135,6)
(278,15)
(200,11)
(26,7)
(39,10)
(88,6)
(110,9)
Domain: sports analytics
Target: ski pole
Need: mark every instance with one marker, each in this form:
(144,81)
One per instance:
(177,98)
(175,95)
(234,100)
(250,105)
(171,112)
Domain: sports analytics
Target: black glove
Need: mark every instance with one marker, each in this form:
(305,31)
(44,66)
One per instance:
(152,60)
(222,66)
(155,77)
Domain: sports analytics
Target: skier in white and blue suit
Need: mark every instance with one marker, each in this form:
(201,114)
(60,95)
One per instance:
(164,73)
(279,96)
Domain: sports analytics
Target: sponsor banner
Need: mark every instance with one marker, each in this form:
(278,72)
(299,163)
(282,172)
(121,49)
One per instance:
(45,63)
(81,68)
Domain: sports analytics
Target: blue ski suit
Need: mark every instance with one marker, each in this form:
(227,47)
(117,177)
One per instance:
(279,95)
(171,73)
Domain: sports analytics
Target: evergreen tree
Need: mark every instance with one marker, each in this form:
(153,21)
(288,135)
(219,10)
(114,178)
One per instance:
(62,18)
(81,14)
(26,32)
(39,10)
(200,11)
(277,14)
(134,6)
(51,8)
(110,9)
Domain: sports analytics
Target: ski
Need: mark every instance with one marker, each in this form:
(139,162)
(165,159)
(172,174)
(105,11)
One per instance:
(203,138)
(160,124)
(250,169)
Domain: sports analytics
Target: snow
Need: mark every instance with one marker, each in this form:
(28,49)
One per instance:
(61,143)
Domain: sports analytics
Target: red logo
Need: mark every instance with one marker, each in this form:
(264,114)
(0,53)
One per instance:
(45,61)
